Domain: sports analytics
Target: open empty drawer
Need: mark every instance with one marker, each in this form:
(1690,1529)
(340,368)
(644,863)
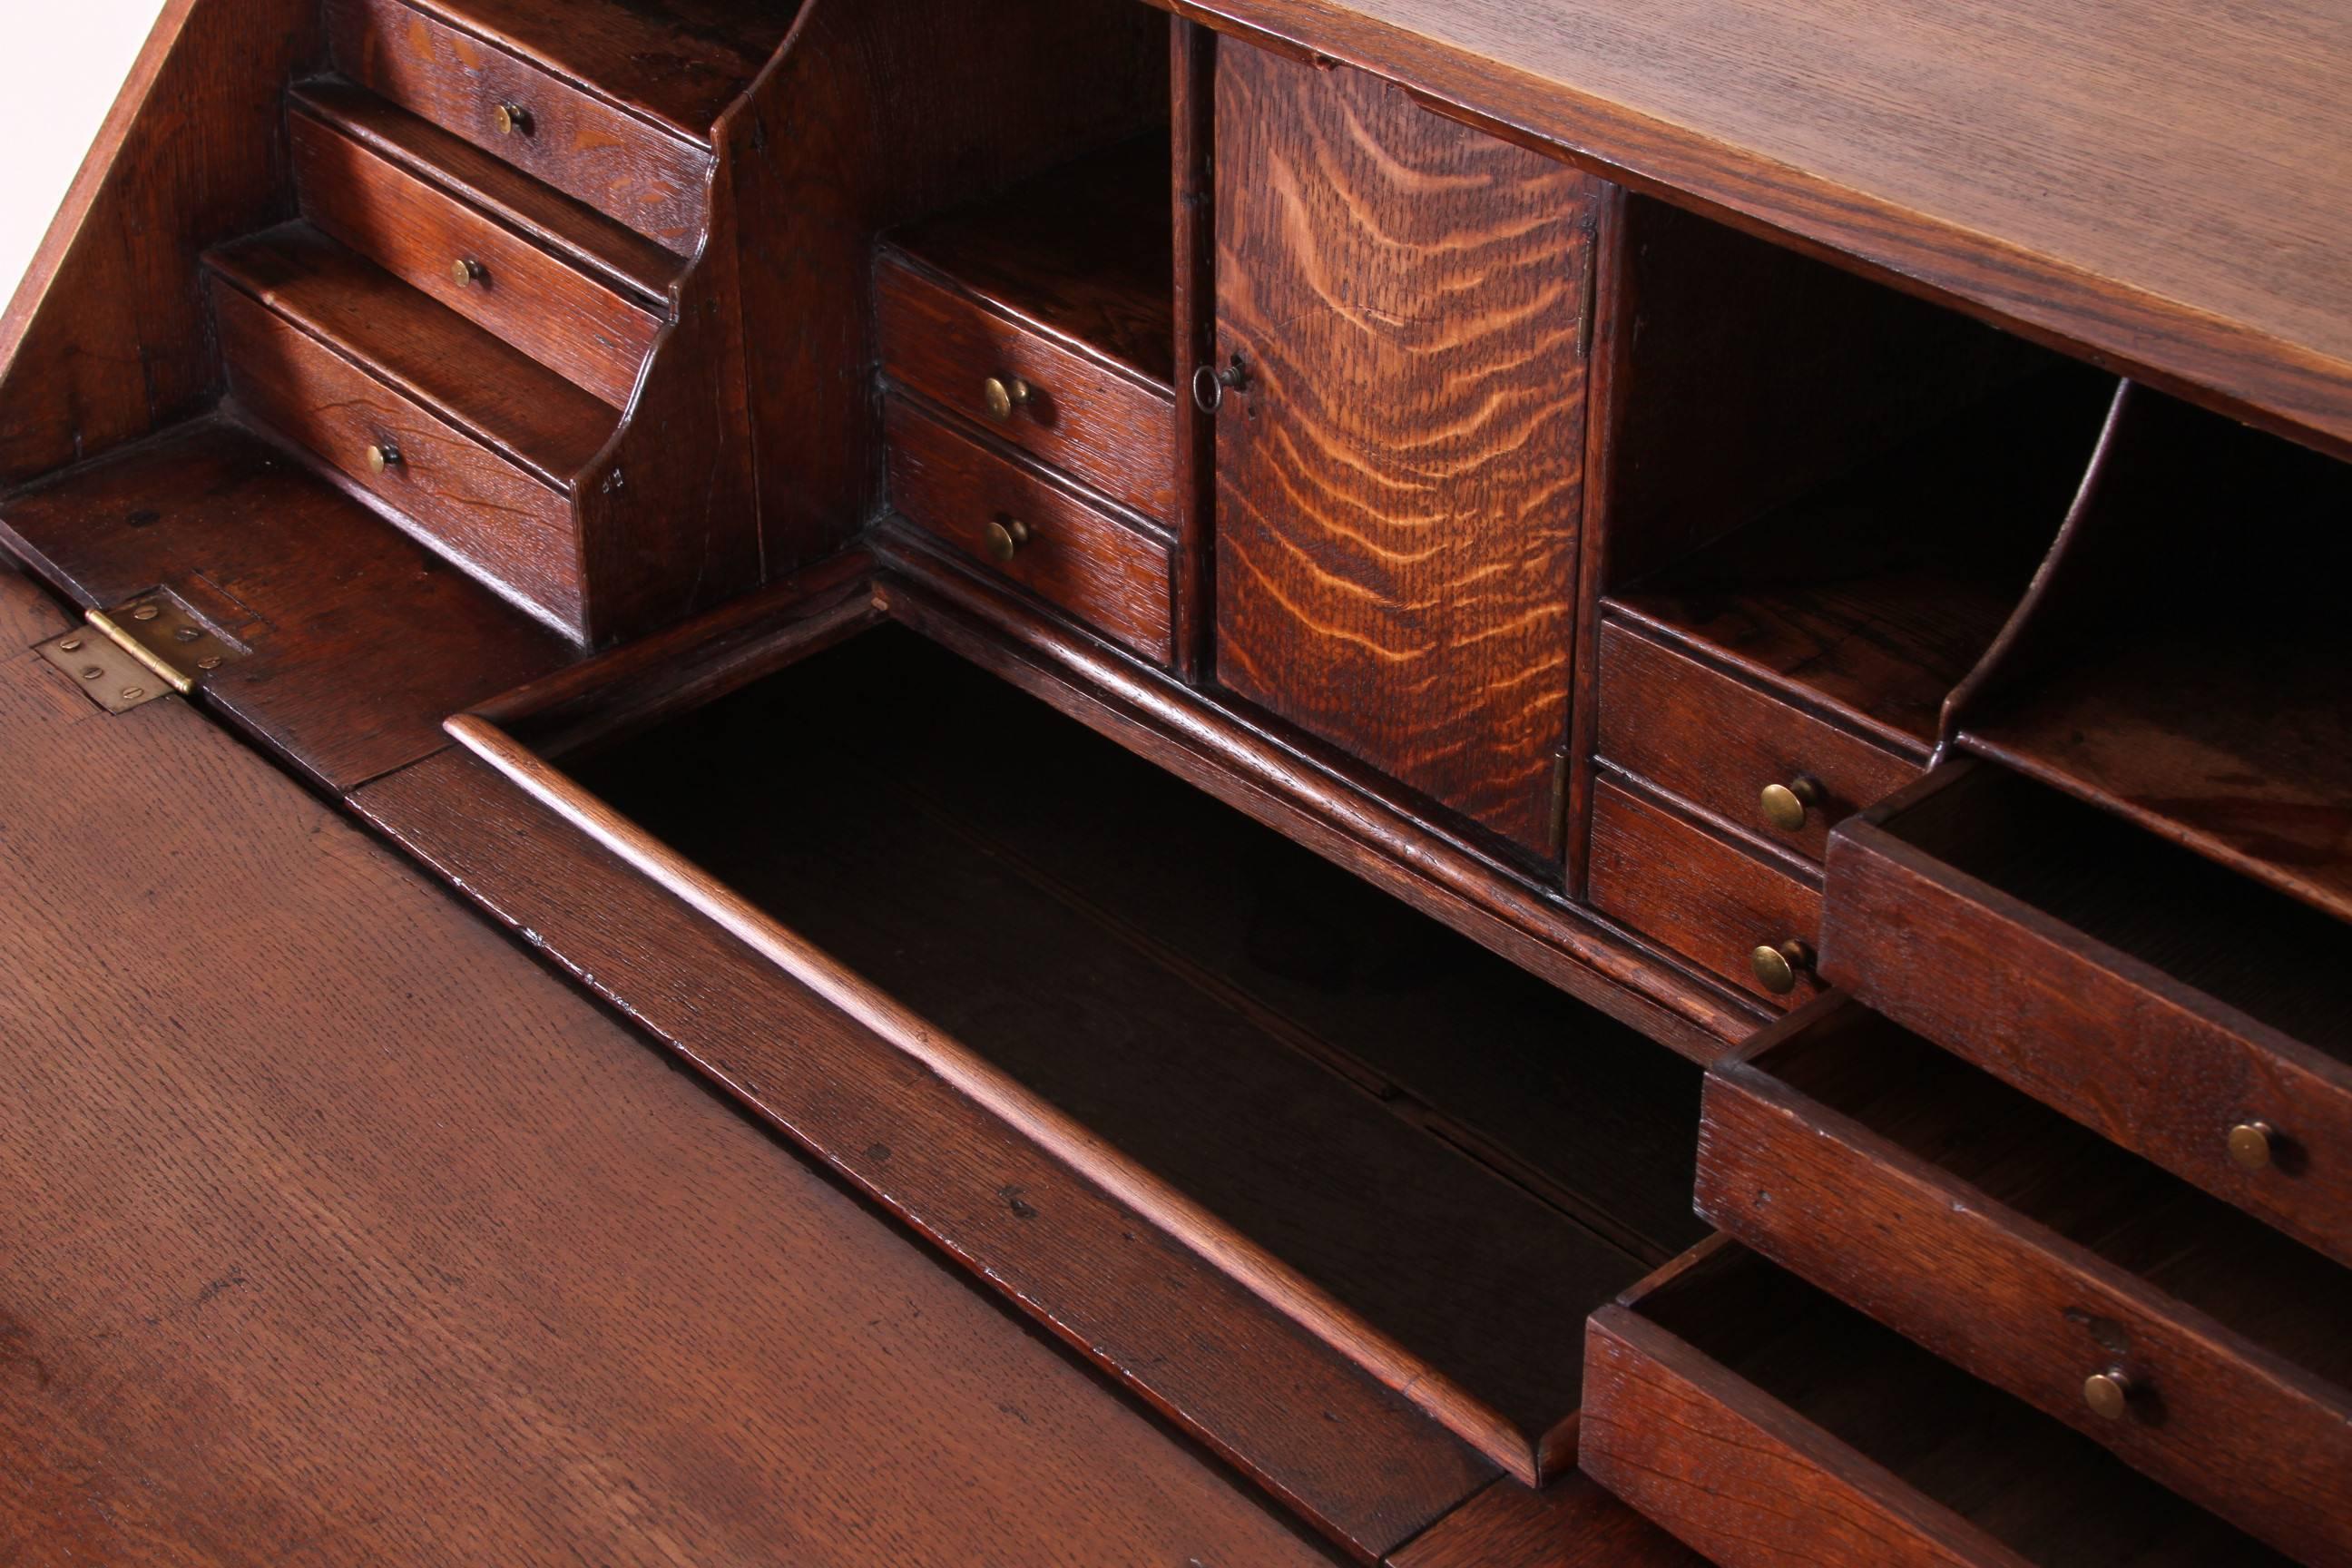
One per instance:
(1767,1424)
(1433,1163)
(2191,1015)
(2202,1345)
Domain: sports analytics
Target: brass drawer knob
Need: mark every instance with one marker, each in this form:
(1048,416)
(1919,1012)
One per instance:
(1005,537)
(2108,1394)
(2253,1144)
(382,455)
(465,273)
(1002,395)
(1778,967)
(1786,805)
(512,118)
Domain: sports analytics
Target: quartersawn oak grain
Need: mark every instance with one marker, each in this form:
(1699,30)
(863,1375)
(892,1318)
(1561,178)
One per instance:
(339,1231)
(1400,477)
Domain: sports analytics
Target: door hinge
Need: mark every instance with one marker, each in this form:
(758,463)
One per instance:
(129,655)
(1562,774)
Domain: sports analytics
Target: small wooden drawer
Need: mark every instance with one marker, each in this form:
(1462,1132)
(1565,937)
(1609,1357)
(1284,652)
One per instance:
(1109,573)
(1081,412)
(2174,1007)
(2202,1346)
(473,502)
(1768,1424)
(622,166)
(1713,740)
(1711,901)
(576,325)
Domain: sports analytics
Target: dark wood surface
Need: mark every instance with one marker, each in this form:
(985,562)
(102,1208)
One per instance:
(1106,428)
(1193,193)
(342,1234)
(1111,575)
(1695,894)
(1399,482)
(1766,1423)
(466,498)
(1570,1524)
(835,159)
(568,227)
(1048,952)
(1714,742)
(1882,1170)
(570,320)
(341,682)
(1342,815)
(585,145)
(1314,1430)
(2031,164)
(105,338)
(681,62)
(2144,991)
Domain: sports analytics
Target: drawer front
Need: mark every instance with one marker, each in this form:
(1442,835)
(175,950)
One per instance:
(1719,743)
(2216,1419)
(1108,574)
(470,502)
(575,325)
(1705,898)
(1740,1476)
(2116,1044)
(1082,416)
(623,166)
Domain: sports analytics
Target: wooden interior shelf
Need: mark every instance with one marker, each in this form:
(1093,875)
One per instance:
(1464,1157)
(2189,664)
(1875,594)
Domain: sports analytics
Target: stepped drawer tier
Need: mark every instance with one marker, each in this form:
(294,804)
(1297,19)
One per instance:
(2203,1347)
(2194,1018)
(1767,1424)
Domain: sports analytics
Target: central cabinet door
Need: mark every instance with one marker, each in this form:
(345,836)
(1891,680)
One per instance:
(1399,464)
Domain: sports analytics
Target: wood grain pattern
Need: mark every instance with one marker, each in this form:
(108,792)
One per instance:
(341,682)
(1106,428)
(1714,742)
(2029,163)
(1882,1169)
(1193,193)
(1695,894)
(1110,575)
(568,227)
(2147,993)
(105,338)
(343,1235)
(1400,485)
(1570,1524)
(574,323)
(1255,1386)
(484,511)
(681,62)
(1344,817)
(1768,1424)
(654,181)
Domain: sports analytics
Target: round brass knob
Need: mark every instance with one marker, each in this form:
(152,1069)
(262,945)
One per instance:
(465,273)
(513,120)
(1002,395)
(1787,805)
(2251,1144)
(1778,967)
(2108,1394)
(382,455)
(1005,536)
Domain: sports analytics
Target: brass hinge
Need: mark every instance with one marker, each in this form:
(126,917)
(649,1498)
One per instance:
(130,655)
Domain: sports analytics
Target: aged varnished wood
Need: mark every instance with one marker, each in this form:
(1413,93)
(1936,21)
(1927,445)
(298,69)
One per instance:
(350,1236)
(1399,473)
(1884,1169)
(1571,1524)
(1765,1424)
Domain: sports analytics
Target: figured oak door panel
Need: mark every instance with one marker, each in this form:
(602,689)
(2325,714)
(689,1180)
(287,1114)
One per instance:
(1399,474)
